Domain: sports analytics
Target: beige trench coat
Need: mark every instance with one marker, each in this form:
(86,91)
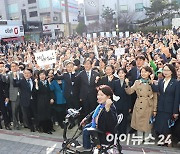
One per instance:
(144,106)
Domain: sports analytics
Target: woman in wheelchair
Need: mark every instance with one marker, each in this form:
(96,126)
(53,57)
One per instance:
(104,118)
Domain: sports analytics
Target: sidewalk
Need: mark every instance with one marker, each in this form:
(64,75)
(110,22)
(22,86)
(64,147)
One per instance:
(25,142)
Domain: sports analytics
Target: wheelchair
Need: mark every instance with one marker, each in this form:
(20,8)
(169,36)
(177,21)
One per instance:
(69,145)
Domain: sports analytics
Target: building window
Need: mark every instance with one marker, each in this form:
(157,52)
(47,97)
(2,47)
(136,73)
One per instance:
(33,14)
(123,8)
(139,7)
(13,8)
(56,4)
(44,4)
(31,1)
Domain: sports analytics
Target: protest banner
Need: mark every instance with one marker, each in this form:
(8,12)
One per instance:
(114,34)
(121,34)
(101,34)
(45,57)
(107,34)
(127,34)
(94,35)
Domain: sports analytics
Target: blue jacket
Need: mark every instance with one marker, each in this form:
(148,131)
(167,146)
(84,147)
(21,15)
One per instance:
(59,93)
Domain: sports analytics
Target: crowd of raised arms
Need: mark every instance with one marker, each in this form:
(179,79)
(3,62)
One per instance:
(143,71)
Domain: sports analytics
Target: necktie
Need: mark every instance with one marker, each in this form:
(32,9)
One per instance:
(29,84)
(88,75)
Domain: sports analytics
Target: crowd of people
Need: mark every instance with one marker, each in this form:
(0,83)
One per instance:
(144,79)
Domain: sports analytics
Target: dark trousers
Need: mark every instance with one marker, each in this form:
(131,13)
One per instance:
(88,105)
(122,128)
(5,113)
(72,102)
(30,114)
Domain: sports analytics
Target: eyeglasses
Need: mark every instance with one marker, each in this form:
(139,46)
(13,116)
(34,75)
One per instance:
(166,70)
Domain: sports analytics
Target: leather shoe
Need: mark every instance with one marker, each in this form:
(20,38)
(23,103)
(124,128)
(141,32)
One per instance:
(8,128)
(49,132)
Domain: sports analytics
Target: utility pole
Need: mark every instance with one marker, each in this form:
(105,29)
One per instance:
(67,18)
(117,18)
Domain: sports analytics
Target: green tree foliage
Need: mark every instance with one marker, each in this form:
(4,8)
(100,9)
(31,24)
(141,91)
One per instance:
(107,15)
(158,11)
(81,28)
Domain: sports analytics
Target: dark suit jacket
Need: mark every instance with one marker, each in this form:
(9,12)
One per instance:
(168,101)
(132,75)
(104,81)
(84,86)
(4,92)
(25,92)
(124,103)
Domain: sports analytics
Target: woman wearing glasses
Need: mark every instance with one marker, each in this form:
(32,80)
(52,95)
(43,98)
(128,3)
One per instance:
(168,101)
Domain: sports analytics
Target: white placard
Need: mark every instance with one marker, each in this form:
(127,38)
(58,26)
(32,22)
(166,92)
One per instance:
(94,35)
(119,51)
(107,34)
(121,34)
(88,36)
(102,34)
(127,34)
(45,57)
(114,34)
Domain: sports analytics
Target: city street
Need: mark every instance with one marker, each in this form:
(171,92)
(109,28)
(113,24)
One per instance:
(25,142)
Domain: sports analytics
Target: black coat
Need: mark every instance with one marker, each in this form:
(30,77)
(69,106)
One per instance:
(44,95)
(25,92)
(107,122)
(124,103)
(104,81)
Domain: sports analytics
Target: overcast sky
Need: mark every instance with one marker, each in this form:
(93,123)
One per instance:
(80,1)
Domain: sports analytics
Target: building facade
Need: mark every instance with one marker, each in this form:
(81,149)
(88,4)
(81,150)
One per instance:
(46,11)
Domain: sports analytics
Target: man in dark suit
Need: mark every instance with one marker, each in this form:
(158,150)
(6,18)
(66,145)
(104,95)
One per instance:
(86,81)
(4,99)
(134,73)
(26,86)
(70,91)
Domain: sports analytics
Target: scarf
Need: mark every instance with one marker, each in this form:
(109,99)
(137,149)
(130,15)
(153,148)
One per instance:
(144,80)
(95,114)
(44,82)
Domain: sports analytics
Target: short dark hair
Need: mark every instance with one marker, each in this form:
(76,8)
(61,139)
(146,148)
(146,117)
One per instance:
(111,67)
(140,57)
(28,69)
(42,71)
(106,90)
(88,60)
(148,69)
(122,69)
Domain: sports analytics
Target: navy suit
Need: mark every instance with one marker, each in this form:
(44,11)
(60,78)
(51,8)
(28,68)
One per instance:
(87,91)
(27,101)
(168,104)
(122,105)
